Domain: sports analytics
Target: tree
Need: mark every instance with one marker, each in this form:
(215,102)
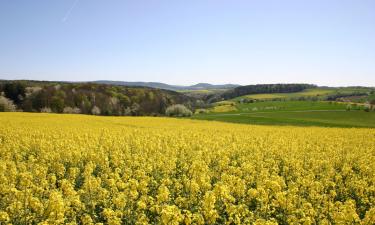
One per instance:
(135,109)
(124,100)
(6,105)
(71,110)
(57,104)
(15,91)
(178,111)
(95,110)
(45,110)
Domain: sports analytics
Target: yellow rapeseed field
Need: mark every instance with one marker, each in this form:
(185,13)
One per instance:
(77,169)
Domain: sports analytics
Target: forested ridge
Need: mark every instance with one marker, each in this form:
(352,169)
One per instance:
(89,98)
(265,88)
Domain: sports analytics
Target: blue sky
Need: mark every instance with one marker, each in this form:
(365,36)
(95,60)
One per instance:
(326,42)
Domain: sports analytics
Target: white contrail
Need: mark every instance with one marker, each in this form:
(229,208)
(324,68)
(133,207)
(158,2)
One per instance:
(69,11)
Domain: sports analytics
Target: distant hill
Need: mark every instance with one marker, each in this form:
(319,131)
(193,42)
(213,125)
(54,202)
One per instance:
(207,86)
(199,86)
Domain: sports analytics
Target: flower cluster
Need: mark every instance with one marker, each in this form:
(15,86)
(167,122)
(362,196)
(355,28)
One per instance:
(77,169)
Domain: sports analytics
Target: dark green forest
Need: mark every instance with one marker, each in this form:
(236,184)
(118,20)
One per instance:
(257,89)
(265,88)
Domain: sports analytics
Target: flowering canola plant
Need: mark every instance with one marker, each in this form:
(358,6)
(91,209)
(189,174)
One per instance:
(78,169)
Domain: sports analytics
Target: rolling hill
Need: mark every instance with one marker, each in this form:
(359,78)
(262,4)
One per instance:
(199,86)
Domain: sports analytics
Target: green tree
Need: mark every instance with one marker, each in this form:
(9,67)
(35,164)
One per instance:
(57,104)
(124,100)
(15,91)
(178,110)
(6,105)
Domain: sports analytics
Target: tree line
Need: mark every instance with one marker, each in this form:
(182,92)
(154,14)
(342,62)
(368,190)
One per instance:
(266,88)
(259,89)
(88,98)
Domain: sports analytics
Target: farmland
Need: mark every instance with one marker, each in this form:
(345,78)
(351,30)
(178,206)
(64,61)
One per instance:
(306,93)
(320,93)
(299,113)
(79,169)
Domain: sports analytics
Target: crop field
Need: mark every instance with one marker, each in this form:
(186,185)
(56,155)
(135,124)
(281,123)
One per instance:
(311,92)
(77,169)
(306,93)
(297,113)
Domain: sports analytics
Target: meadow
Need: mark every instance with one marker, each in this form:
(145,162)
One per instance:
(297,113)
(80,169)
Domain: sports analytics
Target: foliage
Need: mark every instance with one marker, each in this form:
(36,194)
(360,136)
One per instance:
(201,111)
(15,91)
(178,111)
(95,110)
(32,96)
(45,110)
(71,110)
(77,169)
(342,96)
(6,105)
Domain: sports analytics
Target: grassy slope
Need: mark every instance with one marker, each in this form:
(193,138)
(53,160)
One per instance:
(289,106)
(301,113)
(326,119)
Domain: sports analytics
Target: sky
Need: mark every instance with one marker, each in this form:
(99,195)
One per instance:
(324,42)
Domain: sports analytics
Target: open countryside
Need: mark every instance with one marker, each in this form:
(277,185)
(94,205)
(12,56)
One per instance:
(194,112)
(303,113)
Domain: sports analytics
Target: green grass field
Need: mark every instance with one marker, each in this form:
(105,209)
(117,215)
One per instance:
(272,106)
(299,113)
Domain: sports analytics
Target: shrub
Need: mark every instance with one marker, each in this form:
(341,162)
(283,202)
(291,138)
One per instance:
(71,110)
(367,108)
(45,110)
(95,110)
(201,111)
(127,112)
(178,110)
(6,105)
(348,107)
